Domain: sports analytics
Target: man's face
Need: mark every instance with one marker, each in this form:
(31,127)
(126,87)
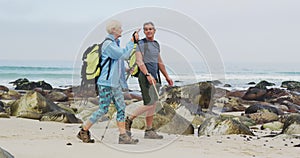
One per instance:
(149,31)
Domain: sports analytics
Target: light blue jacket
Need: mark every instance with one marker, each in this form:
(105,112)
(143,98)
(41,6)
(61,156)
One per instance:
(111,49)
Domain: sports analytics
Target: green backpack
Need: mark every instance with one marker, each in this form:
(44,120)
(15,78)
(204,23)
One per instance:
(132,59)
(91,69)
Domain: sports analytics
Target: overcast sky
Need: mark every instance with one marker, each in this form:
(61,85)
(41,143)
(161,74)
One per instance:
(243,30)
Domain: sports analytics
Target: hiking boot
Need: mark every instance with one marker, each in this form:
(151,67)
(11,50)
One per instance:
(125,139)
(85,136)
(151,134)
(128,124)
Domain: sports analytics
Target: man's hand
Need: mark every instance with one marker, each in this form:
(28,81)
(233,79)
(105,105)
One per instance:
(170,81)
(151,80)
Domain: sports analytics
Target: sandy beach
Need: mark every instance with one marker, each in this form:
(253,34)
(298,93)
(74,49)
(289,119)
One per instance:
(26,138)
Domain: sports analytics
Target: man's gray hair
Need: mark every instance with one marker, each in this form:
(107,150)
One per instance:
(111,25)
(148,23)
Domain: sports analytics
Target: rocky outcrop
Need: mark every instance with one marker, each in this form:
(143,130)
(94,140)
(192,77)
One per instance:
(254,93)
(25,84)
(222,126)
(3,113)
(199,94)
(291,85)
(263,116)
(34,106)
(263,84)
(165,120)
(292,124)
(262,106)
(10,95)
(57,96)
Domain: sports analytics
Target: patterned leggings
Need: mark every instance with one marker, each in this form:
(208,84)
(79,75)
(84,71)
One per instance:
(106,94)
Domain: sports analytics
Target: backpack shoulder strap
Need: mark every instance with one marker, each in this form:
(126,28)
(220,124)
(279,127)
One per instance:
(145,45)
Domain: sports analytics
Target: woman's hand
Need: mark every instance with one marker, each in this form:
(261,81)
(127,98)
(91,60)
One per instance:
(135,36)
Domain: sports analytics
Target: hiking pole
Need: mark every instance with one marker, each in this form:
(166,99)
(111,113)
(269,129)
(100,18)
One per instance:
(155,89)
(107,125)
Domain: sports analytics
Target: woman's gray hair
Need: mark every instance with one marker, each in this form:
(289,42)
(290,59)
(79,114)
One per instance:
(111,25)
(148,23)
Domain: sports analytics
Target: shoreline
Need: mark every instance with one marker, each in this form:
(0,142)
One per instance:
(33,139)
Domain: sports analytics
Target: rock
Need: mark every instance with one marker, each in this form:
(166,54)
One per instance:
(227,85)
(1,106)
(232,104)
(244,120)
(274,126)
(219,126)
(251,83)
(237,93)
(215,82)
(263,116)
(199,94)
(292,125)
(11,95)
(5,154)
(254,93)
(57,96)
(273,93)
(165,120)
(33,105)
(58,116)
(25,84)
(291,85)
(262,106)
(4,88)
(263,84)
(291,106)
(3,113)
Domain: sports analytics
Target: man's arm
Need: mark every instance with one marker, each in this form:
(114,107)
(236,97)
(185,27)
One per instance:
(163,70)
(143,68)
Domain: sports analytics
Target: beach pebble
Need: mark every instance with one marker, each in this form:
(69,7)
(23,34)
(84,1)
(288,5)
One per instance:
(69,144)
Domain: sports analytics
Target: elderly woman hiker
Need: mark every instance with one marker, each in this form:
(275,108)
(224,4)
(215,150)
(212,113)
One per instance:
(109,84)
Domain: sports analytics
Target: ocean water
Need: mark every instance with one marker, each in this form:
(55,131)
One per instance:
(66,73)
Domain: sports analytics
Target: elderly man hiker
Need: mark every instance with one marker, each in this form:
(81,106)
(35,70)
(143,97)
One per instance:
(109,84)
(149,62)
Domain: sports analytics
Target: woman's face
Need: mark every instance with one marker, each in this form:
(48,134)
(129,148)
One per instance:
(118,32)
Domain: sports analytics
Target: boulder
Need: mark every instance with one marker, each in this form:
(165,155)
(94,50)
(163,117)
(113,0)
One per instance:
(34,106)
(254,93)
(231,104)
(58,116)
(262,106)
(291,85)
(25,84)
(5,154)
(10,95)
(3,113)
(274,126)
(291,125)
(263,84)
(263,116)
(251,83)
(4,88)
(199,94)
(57,96)
(223,126)
(236,93)
(273,93)
(165,120)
